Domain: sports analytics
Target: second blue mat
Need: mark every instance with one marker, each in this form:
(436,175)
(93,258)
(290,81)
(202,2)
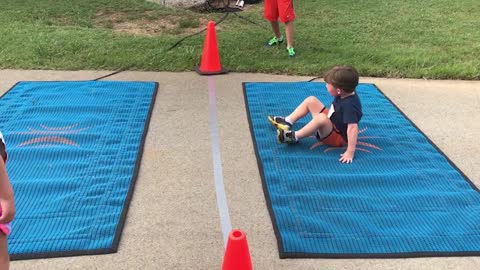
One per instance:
(401,197)
(74,150)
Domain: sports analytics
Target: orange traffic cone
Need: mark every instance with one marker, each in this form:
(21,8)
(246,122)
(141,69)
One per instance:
(237,255)
(210,63)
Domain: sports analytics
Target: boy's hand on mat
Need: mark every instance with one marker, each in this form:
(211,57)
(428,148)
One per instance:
(8,210)
(346,157)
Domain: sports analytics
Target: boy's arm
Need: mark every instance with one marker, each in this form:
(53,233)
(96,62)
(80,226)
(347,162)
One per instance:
(7,202)
(352,134)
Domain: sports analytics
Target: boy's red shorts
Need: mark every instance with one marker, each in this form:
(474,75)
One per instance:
(279,9)
(334,139)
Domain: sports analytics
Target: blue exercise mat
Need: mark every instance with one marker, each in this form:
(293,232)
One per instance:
(74,149)
(401,197)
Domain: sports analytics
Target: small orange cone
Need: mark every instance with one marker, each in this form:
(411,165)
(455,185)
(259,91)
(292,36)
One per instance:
(237,255)
(210,63)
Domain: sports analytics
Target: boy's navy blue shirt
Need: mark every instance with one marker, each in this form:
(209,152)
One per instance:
(348,110)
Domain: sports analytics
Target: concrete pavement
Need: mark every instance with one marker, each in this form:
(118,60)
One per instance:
(173,221)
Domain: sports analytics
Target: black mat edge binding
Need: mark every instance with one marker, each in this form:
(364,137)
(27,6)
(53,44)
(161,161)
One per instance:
(300,255)
(123,215)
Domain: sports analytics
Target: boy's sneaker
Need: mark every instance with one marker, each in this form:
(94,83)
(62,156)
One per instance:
(279,122)
(274,41)
(286,136)
(291,52)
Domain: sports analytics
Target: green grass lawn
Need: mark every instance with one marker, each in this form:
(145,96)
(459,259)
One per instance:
(436,39)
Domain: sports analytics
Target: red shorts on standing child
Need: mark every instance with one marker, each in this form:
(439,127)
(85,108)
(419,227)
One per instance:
(279,9)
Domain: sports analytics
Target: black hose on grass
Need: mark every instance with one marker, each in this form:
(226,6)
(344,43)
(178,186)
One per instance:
(225,9)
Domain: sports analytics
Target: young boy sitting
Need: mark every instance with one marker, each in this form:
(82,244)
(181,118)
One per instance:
(336,126)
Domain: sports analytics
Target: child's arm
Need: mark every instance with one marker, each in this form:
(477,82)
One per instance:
(7,202)
(352,135)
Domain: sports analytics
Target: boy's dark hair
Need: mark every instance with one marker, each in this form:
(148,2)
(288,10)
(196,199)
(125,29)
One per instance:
(343,77)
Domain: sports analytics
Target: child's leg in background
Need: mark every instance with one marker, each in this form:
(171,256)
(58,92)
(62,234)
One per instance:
(4,258)
(276,29)
(310,104)
(289,33)
(271,14)
(286,14)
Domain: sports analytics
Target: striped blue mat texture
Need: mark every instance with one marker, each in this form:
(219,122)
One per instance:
(74,150)
(401,197)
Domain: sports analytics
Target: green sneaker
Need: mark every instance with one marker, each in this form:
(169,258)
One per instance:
(274,41)
(291,52)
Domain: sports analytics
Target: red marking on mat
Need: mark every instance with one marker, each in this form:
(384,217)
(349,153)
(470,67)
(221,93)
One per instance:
(49,139)
(54,139)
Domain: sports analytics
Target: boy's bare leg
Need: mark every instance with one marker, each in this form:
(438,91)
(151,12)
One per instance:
(320,123)
(289,33)
(310,104)
(276,28)
(4,259)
